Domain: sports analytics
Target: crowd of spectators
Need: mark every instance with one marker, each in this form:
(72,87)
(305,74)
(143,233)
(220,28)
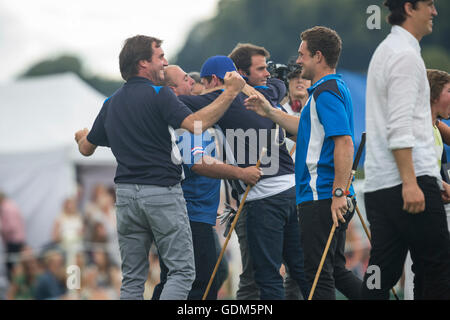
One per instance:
(84,238)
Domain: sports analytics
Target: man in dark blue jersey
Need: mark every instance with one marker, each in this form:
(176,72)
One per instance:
(137,122)
(201,189)
(323,163)
(272,225)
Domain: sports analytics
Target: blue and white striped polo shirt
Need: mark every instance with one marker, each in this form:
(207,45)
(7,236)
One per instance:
(328,113)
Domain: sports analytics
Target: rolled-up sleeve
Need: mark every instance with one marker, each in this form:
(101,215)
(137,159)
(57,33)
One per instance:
(402,94)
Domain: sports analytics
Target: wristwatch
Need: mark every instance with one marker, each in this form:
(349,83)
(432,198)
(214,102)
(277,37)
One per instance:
(338,192)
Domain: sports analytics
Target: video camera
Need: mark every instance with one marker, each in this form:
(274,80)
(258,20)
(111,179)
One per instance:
(281,71)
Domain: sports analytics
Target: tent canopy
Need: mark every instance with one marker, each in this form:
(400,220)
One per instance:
(38,154)
(43,113)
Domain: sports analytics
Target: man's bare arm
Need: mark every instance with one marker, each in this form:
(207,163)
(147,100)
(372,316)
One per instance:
(259,104)
(213,112)
(84,146)
(343,160)
(413,197)
(213,168)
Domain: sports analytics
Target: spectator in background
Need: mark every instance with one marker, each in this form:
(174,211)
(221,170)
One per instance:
(3,273)
(297,92)
(68,229)
(101,221)
(52,283)
(12,230)
(24,276)
(108,274)
(105,224)
(198,86)
(296,98)
(91,208)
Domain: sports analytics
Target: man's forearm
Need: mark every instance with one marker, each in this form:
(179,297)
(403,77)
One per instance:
(85,147)
(403,158)
(343,160)
(286,121)
(213,168)
(209,115)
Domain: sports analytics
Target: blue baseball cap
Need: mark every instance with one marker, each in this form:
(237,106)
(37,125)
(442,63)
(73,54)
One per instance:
(218,65)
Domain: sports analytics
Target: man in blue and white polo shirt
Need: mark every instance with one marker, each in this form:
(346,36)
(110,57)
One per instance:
(323,163)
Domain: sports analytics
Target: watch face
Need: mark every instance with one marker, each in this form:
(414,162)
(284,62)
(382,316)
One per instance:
(338,192)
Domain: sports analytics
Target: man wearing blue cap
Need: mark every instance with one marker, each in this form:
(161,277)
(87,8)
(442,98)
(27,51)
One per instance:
(273,228)
(201,190)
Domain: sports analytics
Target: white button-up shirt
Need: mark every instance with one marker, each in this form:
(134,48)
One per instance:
(398,111)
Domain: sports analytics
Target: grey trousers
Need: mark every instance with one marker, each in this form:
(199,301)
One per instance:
(147,213)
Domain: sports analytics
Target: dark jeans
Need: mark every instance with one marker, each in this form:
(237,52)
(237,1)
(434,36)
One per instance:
(273,238)
(315,226)
(394,231)
(223,269)
(205,260)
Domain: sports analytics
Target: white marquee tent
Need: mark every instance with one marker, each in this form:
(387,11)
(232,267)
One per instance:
(38,154)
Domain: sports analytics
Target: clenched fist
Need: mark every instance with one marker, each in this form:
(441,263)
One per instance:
(234,81)
(80,134)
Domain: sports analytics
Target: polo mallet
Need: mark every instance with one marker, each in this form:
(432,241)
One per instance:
(264,150)
(293,149)
(333,228)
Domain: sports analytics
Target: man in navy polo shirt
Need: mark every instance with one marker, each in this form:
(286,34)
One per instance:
(138,123)
(323,162)
(272,225)
(201,189)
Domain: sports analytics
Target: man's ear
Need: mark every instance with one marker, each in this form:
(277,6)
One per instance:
(215,80)
(142,64)
(319,57)
(242,72)
(409,8)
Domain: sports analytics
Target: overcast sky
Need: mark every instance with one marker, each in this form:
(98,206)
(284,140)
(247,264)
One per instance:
(94,30)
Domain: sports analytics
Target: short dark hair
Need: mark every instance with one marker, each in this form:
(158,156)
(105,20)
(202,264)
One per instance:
(325,40)
(242,55)
(135,49)
(209,78)
(397,9)
(437,79)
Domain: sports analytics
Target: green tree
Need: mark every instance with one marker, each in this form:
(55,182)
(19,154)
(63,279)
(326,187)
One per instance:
(277,25)
(71,63)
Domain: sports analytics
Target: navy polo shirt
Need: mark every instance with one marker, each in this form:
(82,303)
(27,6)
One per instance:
(137,122)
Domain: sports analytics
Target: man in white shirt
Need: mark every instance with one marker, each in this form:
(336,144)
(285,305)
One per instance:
(402,184)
